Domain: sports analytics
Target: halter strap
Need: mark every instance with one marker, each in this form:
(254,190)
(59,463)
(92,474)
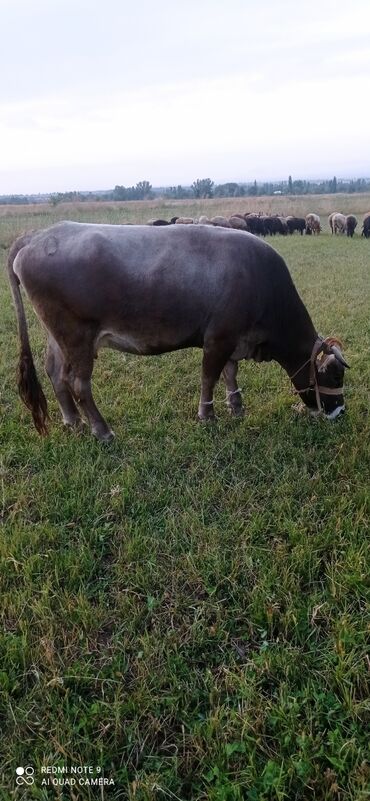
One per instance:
(319,389)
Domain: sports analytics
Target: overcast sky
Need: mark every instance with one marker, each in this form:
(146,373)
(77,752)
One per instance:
(94,94)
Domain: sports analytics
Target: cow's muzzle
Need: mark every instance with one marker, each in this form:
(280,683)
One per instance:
(329,347)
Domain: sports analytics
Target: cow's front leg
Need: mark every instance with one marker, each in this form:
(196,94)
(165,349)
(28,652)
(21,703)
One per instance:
(215,356)
(233,393)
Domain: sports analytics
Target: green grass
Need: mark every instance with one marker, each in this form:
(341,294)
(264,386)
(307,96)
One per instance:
(187,608)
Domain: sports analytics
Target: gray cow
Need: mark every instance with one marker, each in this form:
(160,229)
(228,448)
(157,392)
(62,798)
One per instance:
(149,290)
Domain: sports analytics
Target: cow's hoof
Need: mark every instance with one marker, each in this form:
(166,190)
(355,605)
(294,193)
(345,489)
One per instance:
(211,418)
(105,437)
(238,412)
(75,425)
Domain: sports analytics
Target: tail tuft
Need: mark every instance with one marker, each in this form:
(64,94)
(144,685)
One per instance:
(31,392)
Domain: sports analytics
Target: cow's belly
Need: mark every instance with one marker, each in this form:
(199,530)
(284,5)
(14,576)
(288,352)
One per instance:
(245,347)
(123,342)
(147,344)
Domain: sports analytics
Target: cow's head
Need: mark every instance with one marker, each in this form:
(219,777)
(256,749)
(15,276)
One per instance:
(324,394)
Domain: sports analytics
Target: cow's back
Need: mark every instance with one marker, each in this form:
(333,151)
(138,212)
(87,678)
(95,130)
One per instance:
(178,281)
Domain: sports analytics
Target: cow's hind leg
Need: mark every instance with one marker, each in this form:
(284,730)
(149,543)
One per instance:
(78,375)
(215,356)
(55,368)
(233,393)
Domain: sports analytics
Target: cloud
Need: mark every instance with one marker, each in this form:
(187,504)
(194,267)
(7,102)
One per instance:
(170,92)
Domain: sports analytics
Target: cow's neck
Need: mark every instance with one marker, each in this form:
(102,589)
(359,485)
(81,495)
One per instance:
(295,357)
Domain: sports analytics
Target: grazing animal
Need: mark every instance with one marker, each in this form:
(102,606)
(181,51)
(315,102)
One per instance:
(351,224)
(184,221)
(270,225)
(220,221)
(255,224)
(238,222)
(331,218)
(339,222)
(275,225)
(296,224)
(149,290)
(366,226)
(284,226)
(313,225)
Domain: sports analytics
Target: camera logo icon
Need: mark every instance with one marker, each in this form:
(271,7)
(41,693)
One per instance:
(25,775)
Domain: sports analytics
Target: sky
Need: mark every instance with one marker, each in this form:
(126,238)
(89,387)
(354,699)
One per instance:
(94,94)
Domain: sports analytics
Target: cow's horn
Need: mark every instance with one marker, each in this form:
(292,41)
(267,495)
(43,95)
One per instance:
(338,355)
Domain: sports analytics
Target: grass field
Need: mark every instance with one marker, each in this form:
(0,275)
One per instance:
(187,609)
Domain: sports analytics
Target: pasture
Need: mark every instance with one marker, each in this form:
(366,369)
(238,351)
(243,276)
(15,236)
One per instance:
(187,608)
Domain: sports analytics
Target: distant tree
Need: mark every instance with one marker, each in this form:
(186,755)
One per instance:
(14,200)
(361,185)
(298,187)
(253,189)
(268,188)
(290,185)
(177,192)
(230,189)
(143,190)
(66,197)
(119,193)
(333,185)
(203,187)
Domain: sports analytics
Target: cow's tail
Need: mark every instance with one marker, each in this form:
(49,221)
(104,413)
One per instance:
(29,386)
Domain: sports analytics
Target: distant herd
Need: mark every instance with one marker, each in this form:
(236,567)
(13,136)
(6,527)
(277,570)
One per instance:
(262,224)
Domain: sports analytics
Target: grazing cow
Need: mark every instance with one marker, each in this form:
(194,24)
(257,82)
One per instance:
(351,223)
(158,222)
(366,226)
(149,290)
(339,223)
(296,224)
(313,225)
(184,221)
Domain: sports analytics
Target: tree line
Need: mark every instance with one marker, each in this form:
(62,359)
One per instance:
(206,188)
(200,188)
